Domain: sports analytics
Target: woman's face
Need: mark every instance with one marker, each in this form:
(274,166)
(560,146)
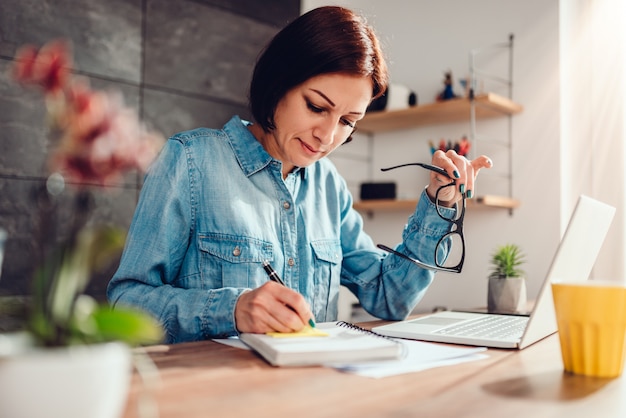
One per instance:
(314,118)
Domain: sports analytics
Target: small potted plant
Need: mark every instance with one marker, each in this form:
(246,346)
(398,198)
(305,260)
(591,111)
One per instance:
(73,357)
(507,284)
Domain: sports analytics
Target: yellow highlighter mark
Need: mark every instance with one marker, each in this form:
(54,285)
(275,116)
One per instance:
(304,332)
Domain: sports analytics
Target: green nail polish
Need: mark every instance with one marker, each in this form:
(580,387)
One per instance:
(462,189)
(469,194)
(311,323)
(456,174)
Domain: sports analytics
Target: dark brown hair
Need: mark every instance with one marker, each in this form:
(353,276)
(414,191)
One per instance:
(325,40)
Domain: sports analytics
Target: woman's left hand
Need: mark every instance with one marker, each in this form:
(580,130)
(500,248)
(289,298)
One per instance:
(461,170)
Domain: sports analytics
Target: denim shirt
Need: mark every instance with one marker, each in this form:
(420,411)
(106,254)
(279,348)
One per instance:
(214,206)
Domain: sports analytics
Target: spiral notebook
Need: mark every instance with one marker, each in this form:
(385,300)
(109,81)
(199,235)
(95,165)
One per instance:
(333,342)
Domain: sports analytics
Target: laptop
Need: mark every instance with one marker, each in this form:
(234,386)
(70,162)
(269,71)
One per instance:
(573,260)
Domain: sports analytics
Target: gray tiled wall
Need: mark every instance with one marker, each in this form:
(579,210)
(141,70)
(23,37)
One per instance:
(181,63)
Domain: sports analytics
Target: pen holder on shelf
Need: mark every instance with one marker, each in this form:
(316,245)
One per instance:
(461,146)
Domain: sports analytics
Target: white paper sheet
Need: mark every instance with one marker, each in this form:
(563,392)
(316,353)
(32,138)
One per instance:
(420,356)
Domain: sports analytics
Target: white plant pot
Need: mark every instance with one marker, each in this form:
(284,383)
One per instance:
(89,381)
(507,295)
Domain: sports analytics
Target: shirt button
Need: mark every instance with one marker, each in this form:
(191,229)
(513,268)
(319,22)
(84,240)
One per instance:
(237,251)
(286,205)
(291,262)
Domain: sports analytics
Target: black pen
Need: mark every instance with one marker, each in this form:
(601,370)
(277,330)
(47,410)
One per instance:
(276,278)
(272,273)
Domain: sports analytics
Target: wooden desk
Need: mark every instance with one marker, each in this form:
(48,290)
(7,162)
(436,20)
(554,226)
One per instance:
(209,379)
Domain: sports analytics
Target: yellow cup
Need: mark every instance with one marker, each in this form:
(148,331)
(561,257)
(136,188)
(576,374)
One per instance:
(591,318)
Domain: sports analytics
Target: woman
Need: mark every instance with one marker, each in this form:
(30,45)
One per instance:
(217,204)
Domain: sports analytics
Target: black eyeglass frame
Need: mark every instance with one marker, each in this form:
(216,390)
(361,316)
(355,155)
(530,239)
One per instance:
(457,224)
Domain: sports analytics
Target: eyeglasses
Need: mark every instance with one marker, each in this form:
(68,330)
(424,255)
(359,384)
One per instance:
(450,250)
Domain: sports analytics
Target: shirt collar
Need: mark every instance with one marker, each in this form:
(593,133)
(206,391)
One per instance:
(249,152)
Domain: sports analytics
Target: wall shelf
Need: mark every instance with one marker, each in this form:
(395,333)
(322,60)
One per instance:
(470,109)
(488,105)
(410,204)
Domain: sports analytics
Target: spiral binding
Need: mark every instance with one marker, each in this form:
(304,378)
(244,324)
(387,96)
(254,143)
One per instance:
(367,331)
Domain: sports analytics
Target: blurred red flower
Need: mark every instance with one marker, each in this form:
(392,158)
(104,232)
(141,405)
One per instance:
(48,67)
(99,139)
(95,140)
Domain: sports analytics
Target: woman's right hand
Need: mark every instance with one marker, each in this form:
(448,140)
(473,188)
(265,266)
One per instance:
(271,307)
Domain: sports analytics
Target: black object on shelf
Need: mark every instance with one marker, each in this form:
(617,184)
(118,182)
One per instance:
(373,191)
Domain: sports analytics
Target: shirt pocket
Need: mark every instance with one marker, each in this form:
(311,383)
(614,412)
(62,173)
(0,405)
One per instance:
(234,261)
(327,259)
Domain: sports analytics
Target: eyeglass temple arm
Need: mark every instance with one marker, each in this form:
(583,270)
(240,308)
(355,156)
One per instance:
(423,165)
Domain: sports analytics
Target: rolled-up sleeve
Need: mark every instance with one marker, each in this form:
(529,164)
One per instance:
(389,287)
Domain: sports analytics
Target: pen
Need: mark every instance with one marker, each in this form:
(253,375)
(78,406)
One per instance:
(276,278)
(272,273)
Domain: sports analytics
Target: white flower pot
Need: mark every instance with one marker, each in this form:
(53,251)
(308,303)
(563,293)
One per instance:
(89,381)
(507,295)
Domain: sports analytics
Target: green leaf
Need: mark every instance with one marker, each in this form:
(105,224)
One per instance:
(105,244)
(94,248)
(124,324)
(61,314)
(506,261)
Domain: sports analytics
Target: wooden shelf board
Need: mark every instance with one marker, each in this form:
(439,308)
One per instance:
(494,201)
(455,110)
(408,204)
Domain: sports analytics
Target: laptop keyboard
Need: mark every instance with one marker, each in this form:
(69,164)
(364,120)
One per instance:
(494,327)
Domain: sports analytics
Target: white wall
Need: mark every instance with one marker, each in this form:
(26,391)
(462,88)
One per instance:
(593,114)
(422,40)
